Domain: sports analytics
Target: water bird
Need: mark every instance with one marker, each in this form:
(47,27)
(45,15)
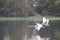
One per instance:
(38,26)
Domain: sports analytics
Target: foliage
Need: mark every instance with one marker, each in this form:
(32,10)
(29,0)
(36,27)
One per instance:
(13,8)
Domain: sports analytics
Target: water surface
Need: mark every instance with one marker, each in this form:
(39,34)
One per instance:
(19,30)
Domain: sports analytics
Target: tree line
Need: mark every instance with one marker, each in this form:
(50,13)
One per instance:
(13,8)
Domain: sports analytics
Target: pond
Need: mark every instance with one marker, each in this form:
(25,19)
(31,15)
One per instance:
(19,30)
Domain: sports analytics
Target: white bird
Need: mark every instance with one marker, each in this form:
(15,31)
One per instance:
(38,26)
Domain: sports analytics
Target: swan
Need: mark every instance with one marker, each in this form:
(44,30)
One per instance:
(38,26)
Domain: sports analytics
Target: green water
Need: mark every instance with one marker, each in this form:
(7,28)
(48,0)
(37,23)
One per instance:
(18,30)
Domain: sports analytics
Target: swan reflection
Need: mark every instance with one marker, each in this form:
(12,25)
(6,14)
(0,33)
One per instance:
(37,37)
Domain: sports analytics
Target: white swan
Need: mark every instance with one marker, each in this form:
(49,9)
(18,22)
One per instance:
(38,26)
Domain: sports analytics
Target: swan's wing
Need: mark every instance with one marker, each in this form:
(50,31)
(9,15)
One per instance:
(47,21)
(44,20)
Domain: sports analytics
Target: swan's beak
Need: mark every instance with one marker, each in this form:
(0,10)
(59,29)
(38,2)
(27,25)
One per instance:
(43,27)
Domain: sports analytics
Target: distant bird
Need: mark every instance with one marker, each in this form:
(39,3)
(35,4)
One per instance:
(38,26)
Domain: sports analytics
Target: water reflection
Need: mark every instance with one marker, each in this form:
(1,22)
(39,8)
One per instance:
(37,37)
(19,30)
(6,37)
